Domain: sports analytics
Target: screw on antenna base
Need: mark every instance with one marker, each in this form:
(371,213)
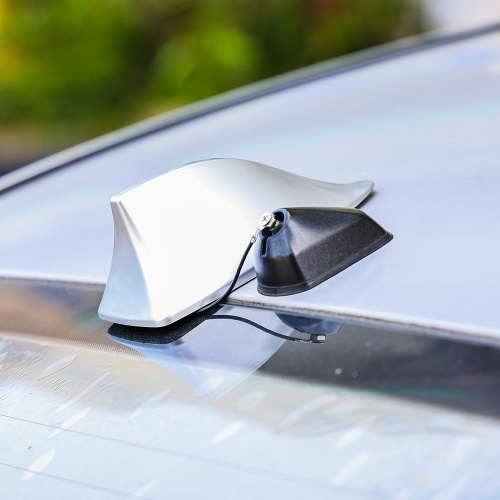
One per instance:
(266,219)
(269,221)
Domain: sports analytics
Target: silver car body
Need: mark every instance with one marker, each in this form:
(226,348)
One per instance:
(400,403)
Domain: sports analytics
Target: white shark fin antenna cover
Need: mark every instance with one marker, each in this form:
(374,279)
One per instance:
(179,237)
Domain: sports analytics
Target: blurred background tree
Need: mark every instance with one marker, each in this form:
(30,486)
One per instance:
(74,69)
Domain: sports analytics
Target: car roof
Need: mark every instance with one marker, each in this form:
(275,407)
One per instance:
(423,127)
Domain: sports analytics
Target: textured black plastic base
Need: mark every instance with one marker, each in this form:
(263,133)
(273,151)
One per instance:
(313,245)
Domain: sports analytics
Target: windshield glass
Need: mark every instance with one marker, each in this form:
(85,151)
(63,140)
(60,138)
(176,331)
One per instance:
(371,413)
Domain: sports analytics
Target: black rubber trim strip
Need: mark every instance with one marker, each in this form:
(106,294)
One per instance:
(424,42)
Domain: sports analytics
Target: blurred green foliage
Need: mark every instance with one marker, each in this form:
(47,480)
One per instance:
(82,67)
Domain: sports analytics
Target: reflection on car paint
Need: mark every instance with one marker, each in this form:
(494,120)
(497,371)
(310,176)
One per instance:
(213,358)
(195,349)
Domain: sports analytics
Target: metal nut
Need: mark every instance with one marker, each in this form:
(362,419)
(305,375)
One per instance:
(265,219)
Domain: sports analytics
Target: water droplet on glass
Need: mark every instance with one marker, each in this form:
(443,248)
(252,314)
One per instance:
(250,400)
(83,393)
(210,385)
(150,403)
(227,432)
(57,366)
(39,464)
(70,422)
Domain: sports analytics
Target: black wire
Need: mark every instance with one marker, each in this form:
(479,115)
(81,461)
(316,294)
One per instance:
(244,320)
(235,279)
(260,327)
